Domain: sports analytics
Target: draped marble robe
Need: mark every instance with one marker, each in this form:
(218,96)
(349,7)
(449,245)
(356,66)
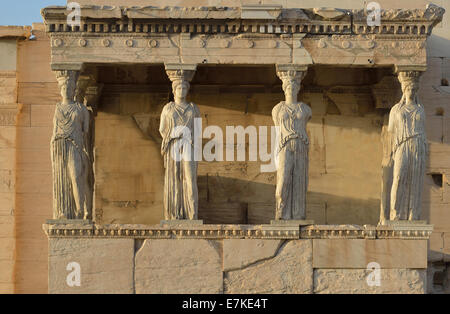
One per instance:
(180,186)
(409,152)
(69,155)
(292,159)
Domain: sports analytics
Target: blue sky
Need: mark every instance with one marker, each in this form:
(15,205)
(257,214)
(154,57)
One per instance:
(24,12)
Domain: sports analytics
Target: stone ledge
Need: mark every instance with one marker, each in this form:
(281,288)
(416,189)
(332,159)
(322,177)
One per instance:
(275,232)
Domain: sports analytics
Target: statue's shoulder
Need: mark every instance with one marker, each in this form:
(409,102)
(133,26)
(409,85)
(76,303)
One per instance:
(305,107)
(169,106)
(395,108)
(278,107)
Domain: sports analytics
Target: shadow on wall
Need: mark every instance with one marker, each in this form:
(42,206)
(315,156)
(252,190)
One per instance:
(237,201)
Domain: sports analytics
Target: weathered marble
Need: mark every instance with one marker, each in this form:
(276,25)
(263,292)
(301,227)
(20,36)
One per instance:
(179,266)
(290,271)
(239,254)
(358,253)
(354,281)
(106,265)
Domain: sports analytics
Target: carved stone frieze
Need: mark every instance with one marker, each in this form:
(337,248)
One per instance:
(218,232)
(257,34)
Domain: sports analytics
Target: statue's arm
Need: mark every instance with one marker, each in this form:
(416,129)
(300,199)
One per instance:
(196,111)
(163,122)
(275,112)
(55,126)
(309,110)
(391,125)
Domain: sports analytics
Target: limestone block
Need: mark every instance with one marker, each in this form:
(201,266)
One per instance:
(106,265)
(7,158)
(8,92)
(446,187)
(42,115)
(223,213)
(437,215)
(446,139)
(23,117)
(6,271)
(354,281)
(29,226)
(8,53)
(290,271)
(438,158)
(34,159)
(358,253)
(34,60)
(7,203)
(260,213)
(342,210)
(32,250)
(38,93)
(179,267)
(432,192)
(33,276)
(11,32)
(6,226)
(28,204)
(7,246)
(434,128)
(34,182)
(436,247)
(7,137)
(240,253)
(34,138)
(446,250)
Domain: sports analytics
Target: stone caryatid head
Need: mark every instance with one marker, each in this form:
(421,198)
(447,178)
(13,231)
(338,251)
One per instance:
(67,82)
(292,80)
(180,83)
(84,81)
(410,85)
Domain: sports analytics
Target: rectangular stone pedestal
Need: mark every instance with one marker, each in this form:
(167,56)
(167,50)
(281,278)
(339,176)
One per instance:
(236,259)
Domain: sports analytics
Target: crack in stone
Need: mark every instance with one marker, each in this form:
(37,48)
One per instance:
(260,261)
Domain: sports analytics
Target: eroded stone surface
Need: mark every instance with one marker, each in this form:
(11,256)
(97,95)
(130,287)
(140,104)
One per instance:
(355,281)
(288,272)
(106,265)
(358,253)
(179,266)
(240,253)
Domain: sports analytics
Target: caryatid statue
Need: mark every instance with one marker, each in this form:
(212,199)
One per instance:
(290,118)
(408,153)
(84,82)
(68,151)
(177,130)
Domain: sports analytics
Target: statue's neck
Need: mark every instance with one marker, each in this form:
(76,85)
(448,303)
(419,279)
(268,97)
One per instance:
(67,101)
(181,102)
(290,100)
